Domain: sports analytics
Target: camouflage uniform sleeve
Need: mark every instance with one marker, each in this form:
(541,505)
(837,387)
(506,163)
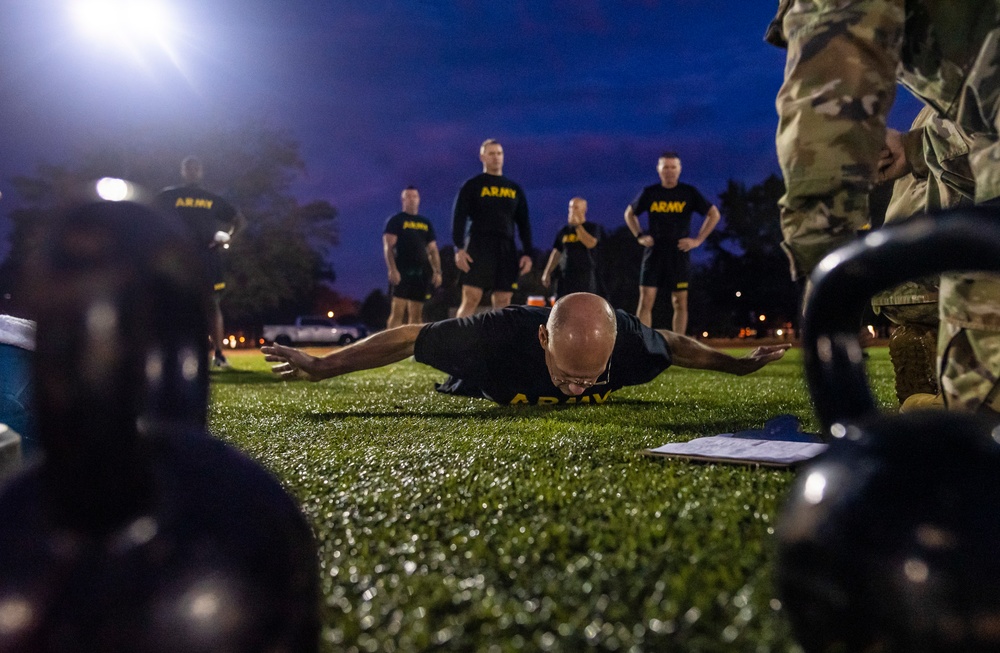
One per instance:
(840,81)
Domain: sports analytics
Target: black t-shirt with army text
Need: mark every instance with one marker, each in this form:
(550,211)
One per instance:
(576,262)
(413,234)
(492,206)
(203,212)
(670,211)
(499,353)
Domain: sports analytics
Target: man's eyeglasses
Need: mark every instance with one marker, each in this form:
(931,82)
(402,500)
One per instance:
(583,383)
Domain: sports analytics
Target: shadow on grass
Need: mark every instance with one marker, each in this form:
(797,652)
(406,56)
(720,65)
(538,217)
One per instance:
(488,410)
(243,377)
(481,415)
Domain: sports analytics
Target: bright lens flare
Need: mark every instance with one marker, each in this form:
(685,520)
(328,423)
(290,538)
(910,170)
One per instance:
(113,190)
(121,19)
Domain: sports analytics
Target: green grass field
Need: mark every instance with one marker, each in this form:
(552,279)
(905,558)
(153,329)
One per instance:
(448,523)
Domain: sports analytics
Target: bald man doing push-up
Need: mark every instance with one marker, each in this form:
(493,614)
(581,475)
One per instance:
(579,351)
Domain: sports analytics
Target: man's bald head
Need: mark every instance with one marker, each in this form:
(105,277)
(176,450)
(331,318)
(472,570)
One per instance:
(582,316)
(580,336)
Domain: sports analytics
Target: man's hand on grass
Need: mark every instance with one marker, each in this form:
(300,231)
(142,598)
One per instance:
(758,358)
(292,363)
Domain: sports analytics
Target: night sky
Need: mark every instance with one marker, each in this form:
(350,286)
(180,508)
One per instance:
(583,95)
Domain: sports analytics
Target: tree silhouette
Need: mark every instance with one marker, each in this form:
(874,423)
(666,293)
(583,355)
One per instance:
(745,257)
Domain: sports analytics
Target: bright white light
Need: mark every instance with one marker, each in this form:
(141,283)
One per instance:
(875,238)
(739,294)
(815,488)
(780,332)
(113,190)
(762,318)
(704,334)
(125,20)
(329,313)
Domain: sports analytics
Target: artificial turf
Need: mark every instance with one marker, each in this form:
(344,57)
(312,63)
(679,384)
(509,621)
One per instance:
(448,523)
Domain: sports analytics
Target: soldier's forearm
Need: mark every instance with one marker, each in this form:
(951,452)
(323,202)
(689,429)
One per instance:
(632,221)
(383,348)
(586,239)
(688,352)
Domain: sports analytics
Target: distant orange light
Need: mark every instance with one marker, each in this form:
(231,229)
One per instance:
(762,318)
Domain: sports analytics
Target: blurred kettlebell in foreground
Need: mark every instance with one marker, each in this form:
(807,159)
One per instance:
(136,530)
(890,541)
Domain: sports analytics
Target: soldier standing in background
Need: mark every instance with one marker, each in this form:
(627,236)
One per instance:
(487,209)
(411,257)
(573,253)
(212,221)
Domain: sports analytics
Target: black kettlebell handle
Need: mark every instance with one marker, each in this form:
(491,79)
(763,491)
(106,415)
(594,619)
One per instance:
(844,282)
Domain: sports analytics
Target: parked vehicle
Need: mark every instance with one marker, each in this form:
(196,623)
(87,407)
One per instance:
(314,330)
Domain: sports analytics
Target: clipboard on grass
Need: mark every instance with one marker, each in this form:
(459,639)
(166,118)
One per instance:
(780,443)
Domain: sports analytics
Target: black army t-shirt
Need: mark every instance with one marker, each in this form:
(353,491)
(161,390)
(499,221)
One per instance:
(490,205)
(499,354)
(576,263)
(670,211)
(413,233)
(203,212)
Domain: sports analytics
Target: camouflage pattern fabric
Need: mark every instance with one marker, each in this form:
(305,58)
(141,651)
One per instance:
(968,368)
(969,341)
(844,59)
(840,81)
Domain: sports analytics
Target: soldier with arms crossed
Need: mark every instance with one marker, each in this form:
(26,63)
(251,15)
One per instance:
(573,253)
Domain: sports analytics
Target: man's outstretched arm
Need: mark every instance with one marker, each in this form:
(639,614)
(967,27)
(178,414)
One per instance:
(688,352)
(383,348)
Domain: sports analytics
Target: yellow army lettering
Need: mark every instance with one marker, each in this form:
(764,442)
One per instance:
(410,224)
(497,191)
(667,207)
(570,238)
(193,203)
(521,398)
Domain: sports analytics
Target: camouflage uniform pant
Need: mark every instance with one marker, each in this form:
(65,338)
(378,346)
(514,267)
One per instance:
(969,341)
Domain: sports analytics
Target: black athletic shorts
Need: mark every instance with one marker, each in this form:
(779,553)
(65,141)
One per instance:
(666,268)
(579,283)
(212,259)
(494,264)
(414,285)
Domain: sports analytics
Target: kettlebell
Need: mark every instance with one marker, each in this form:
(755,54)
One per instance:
(890,541)
(136,530)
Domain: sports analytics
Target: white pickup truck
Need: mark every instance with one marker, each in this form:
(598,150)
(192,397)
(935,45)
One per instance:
(314,330)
